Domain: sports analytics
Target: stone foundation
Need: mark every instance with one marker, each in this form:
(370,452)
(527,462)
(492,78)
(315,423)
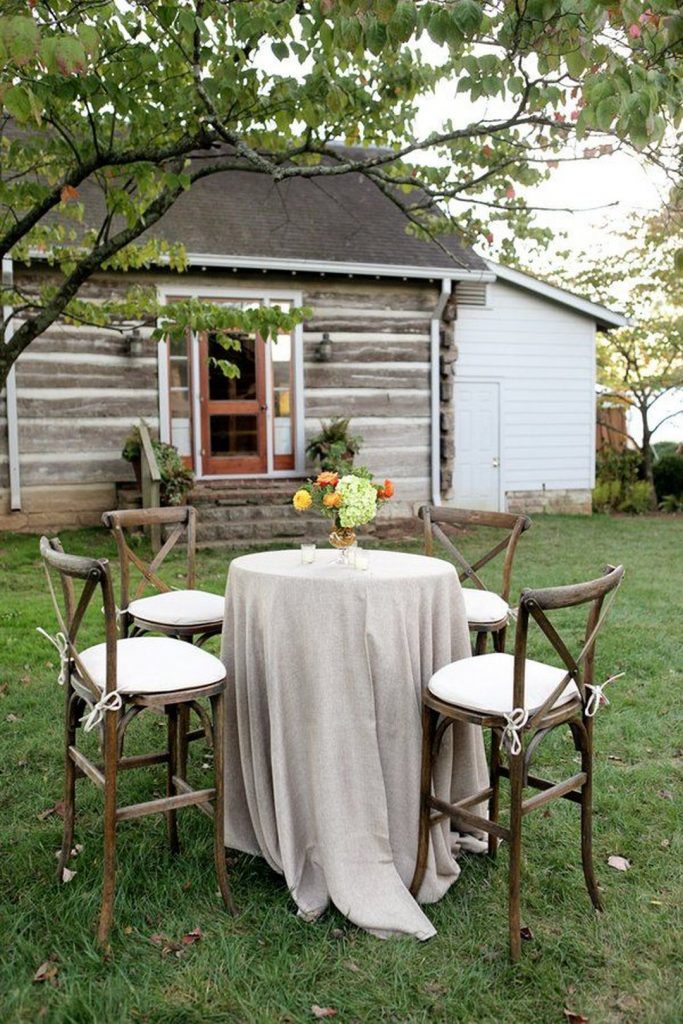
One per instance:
(57,508)
(570,501)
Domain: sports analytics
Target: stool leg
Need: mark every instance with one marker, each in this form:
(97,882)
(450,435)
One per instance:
(109,862)
(172,769)
(583,739)
(499,640)
(494,783)
(480,645)
(516,788)
(183,745)
(429,719)
(70,726)
(218,714)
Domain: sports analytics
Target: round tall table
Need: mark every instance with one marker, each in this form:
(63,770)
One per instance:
(325,666)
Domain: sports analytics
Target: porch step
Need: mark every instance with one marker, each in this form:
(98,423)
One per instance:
(246,513)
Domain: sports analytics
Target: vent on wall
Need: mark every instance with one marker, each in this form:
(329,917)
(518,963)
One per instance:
(470,293)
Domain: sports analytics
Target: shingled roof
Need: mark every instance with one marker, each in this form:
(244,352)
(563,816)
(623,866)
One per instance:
(341,219)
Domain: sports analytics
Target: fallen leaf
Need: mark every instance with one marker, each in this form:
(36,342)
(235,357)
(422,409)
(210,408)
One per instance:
(666,794)
(619,863)
(68,192)
(128,930)
(67,874)
(627,1003)
(190,937)
(657,903)
(12,717)
(186,885)
(47,972)
(167,945)
(575,1018)
(435,988)
(57,808)
(665,844)
(336,933)
(614,757)
(3,689)
(526,933)
(351,966)
(319,1012)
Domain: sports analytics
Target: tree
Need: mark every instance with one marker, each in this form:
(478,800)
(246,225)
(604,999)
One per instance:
(139,100)
(638,365)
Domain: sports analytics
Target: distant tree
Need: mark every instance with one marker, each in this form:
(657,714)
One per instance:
(638,365)
(146,97)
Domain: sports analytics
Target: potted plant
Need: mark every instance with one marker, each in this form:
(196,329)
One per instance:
(176,479)
(334,447)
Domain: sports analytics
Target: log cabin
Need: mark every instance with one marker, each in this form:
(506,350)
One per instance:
(471,384)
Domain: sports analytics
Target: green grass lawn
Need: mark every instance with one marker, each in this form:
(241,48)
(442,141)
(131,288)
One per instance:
(268,966)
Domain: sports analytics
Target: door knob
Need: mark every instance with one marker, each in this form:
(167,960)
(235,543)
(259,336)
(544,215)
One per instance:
(496,462)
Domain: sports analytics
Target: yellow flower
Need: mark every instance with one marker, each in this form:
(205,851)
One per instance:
(332,500)
(302,500)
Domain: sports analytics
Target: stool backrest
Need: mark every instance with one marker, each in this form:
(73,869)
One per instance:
(96,578)
(183,519)
(435,518)
(598,594)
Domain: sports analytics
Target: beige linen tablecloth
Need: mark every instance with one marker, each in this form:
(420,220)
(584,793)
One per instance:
(325,666)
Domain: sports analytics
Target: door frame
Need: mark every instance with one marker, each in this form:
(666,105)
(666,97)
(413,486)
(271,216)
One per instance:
(239,463)
(474,379)
(265,296)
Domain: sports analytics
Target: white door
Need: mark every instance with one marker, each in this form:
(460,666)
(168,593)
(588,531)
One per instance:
(476,480)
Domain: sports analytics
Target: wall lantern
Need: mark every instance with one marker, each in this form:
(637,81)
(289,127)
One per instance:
(134,343)
(323,350)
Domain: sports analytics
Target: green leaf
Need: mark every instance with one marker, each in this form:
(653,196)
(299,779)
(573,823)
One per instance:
(678,261)
(576,63)
(403,22)
(467,15)
(21,38)
(606,111)
(280,49)
(17,103)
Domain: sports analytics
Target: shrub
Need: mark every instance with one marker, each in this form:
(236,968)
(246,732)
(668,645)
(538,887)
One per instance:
(637,498)
(606,495)
(176,479)
(624,466)
(668,474)
(672,503)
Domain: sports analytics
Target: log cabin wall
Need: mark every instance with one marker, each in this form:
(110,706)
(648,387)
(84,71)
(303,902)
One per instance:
(79,391)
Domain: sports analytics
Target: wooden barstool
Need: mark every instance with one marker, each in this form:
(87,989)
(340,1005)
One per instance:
(108,685)
(182,613)
(521,701)
(488,612)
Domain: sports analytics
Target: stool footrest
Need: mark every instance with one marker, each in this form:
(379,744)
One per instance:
(167,803)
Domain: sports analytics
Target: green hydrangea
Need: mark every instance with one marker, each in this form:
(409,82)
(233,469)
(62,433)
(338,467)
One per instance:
(359,501)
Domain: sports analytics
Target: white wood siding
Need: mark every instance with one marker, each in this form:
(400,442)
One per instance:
(543,356)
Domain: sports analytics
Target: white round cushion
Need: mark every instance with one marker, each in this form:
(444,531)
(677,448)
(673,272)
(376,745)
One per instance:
(154,664)
(484,684)
(180,608)
(484,606)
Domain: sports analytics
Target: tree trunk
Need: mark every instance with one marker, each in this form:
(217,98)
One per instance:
(648,471)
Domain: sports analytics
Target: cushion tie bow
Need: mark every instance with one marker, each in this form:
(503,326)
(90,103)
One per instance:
(109,702)
(61,644)
(516,720)
(597,697)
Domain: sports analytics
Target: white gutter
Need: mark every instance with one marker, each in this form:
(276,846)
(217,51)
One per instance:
(602,315)
(435,388)
(11,397)
(263,263)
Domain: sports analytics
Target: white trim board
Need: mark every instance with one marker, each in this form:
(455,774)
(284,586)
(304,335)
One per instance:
(603,317)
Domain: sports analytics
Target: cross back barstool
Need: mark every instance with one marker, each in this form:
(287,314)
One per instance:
(488,612)
(182,613)
(108,685)
(521,701)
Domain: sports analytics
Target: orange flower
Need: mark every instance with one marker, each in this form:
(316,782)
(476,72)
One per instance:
(332,500)
(387,491)
(327,479)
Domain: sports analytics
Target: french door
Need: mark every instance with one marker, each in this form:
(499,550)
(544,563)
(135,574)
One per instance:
(233,409)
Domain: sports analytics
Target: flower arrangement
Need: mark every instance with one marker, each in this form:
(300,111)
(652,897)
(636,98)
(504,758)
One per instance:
(350,500)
